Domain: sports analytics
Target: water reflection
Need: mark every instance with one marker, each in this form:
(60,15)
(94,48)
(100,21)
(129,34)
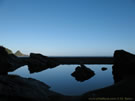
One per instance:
(61,81)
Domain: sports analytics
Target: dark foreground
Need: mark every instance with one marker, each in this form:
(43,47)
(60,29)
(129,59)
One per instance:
(16,88)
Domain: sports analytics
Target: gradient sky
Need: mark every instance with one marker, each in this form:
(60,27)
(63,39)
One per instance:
(68,27)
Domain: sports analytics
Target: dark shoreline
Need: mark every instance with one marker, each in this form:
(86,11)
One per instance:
(80,60)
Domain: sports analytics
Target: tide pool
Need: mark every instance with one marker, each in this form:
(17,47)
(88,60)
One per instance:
(61,81)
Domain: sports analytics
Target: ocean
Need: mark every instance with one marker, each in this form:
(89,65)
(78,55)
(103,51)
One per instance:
(61,81)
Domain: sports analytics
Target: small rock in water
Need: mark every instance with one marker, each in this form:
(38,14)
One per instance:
(82,73)
(103,68)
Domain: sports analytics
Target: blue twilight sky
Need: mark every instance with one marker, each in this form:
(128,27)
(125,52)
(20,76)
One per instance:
(68,27)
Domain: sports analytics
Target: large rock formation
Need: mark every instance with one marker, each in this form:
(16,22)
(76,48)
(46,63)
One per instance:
(82,73)
(124,65)
(8,62)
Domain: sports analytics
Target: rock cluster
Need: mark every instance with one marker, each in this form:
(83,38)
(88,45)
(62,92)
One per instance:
(36,62)
(123,71)
(16,88)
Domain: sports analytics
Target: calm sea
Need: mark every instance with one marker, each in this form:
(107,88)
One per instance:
(61,81)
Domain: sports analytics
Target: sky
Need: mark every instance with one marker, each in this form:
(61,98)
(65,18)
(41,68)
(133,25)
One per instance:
(68,27)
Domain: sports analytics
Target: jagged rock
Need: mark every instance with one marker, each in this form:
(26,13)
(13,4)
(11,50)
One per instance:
(19,53)
(38,62)
(103,68)
(82,73)
(16,88)
(124,65)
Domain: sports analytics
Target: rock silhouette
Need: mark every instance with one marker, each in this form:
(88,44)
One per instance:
(8,62)
(38,62)
(82,73)
(124,65)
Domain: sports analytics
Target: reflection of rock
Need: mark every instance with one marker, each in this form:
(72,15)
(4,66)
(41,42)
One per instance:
(38,62)
(82,73)
(103,68)
(16,88)
(124,65)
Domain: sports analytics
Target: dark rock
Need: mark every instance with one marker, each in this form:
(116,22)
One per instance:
(103,68)
(119,91)
(38,62)
(82,73)
(3,61)
(124,65)
(9,62)
(16,88)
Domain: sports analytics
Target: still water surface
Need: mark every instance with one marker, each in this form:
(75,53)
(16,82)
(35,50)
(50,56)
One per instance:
(61,81)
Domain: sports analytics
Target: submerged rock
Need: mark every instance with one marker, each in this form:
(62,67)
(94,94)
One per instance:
(16,88)
(82,73)
(103,68)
